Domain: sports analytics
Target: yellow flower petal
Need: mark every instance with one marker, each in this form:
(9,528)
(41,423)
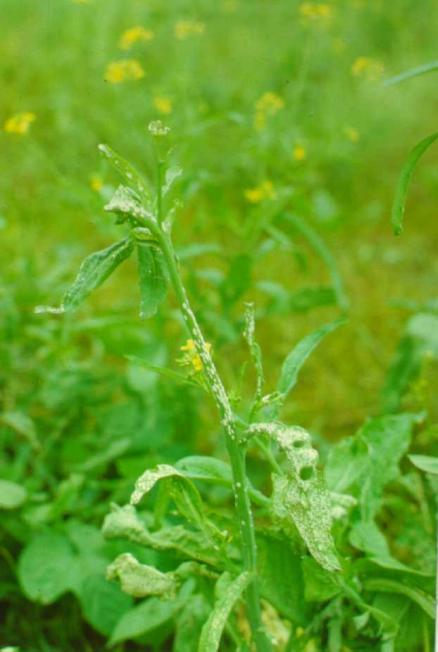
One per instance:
(19,123)
(124,70)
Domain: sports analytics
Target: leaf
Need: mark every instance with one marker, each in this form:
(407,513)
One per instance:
(398,206)
(320,585)
(94,271)
(12,495)
(254,349)
(425,463)
(172,174)
(144,618)
(23,425)
(425,601)
(294,362)
(149,478)
(103,603)
(47,568)
(411,73)
(366,463)
(152,277)
(403,370)
(127,171)
(300,497)
(213,628)
(238,279)
(126,204)
(141,580)
(189,623)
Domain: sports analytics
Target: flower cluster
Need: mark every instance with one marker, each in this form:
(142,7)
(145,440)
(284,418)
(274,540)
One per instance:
(19,123)
(299,153)
(163,105)
(367,68)
(185,28)
(312,11)
(135,35)
(265,190)
(191,357)
(267,105)
(157,128)
(124,70)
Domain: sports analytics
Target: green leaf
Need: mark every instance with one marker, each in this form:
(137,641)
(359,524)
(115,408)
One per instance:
(94,271)
(366,463)
(300,497)
(189,623)
(424,600)
(12,495)
(152,277)
(47,568)
(294,362)
(127,171)
(213,628)
(103,603)
(398,206)
(141,580)
(425,463)
(320,585)
(411,73)
(144,618)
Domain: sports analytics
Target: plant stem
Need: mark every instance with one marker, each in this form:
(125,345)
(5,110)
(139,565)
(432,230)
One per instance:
(235,451)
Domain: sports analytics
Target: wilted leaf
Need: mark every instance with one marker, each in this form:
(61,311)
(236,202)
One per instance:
(152,277)
(94,271)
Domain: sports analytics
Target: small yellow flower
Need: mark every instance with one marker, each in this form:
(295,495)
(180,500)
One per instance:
(19,123)
(191,356)
(124,70)
(163,105)
(267,105)
(185,28)
(369,69)
(96,183)
(352,134)
(134,35)
(259,193)
(315,10)
(299,153)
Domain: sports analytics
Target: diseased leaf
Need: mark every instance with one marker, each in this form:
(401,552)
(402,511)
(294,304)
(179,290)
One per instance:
(126,203)
(254,349)
(213,628)
(300,496)
(141,580)
(144,618)
(12,495)
(152,277)
(149,478)
(94,271)
(425,463)
(127,171)
(295,360)
(47,568)
(398,206)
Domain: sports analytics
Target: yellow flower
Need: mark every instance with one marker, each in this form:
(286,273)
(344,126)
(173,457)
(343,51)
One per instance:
(163,105)
(267,105)
(19,123)
(124,70)
(315,10)
(352,134)
(369,69)
(134,35)
(299,153)
(259,193)
(185,28)
(191,356)
(96,183)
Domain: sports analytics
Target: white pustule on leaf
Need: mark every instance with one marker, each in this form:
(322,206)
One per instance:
(141,580)
(300,495)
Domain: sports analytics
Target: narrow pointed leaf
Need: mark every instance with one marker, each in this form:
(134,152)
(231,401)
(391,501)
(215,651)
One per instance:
(153,278)
(398,206)
(212,631)
(127,171)
(94,271)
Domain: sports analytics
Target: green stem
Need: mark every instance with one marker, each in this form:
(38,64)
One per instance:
(235,451)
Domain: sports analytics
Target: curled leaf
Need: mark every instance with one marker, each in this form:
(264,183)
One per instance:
(141,580)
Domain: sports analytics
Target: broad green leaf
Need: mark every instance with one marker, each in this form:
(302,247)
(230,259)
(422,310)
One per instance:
(12,495)
(424,600)
(94,271)
(189,623)
(366,463)
(103,603)
(300,497)
(320,585)
(294,362)
(47,568)
(141,580)
(398,206)
(425,463)
(411,73)
(152,277)
(144,618)
(127,171)
(213,628)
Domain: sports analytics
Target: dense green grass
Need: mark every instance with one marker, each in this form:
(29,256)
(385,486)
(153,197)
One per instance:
(78,421)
